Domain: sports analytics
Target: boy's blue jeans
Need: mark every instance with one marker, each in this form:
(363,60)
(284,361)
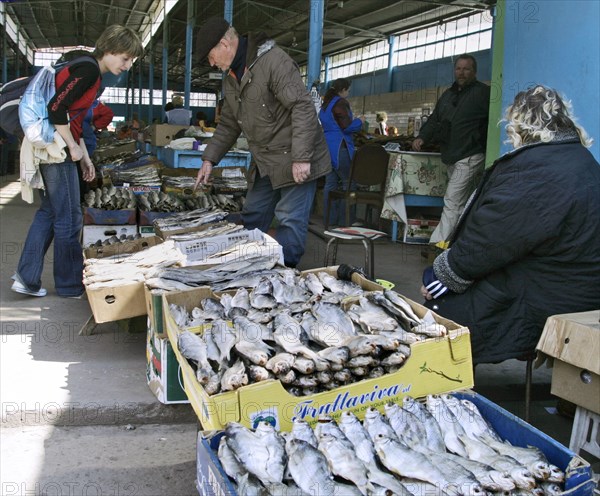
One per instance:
(59,218)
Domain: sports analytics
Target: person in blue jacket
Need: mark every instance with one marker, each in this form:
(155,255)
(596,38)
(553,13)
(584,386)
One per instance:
(339,125)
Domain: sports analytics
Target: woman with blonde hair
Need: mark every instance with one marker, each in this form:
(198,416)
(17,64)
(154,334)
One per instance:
(528,243)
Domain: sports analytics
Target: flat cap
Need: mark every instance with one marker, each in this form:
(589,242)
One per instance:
(209,36)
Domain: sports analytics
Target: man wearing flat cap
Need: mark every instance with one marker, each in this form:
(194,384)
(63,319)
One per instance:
(266,99)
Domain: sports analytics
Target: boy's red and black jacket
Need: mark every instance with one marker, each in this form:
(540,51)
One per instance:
(77,87)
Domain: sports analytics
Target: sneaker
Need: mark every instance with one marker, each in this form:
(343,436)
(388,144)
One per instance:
(19,287)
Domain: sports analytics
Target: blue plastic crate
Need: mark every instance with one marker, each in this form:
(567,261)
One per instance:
(211,479)
(193,159)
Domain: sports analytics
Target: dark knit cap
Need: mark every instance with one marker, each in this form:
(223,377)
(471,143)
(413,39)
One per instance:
(209,36)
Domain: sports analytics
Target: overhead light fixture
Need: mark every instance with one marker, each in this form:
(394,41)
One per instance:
(341,4)
(294,42)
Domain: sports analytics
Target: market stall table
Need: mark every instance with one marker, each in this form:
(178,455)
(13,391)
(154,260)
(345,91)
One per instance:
(415,179)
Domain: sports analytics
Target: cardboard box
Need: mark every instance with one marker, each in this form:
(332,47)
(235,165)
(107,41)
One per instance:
(119,302)
(435,366)
(162,134)
(98,216)
(163,372)
(154,309)
(91,234)
(124,249)
(198,251)
(211,479)
(573,342)
(419,231)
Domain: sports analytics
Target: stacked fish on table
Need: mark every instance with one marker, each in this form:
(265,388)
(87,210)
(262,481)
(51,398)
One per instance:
(313,333)
(158,201)
(145,175)
(189,220)
(445,447)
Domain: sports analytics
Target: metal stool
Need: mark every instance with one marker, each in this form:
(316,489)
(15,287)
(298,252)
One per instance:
(353,235)
(529,358)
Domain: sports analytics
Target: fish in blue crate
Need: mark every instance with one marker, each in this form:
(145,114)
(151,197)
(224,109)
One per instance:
(388,453)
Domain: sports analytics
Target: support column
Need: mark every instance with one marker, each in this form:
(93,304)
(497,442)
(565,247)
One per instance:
(315,46)
(165,65)
(393,40)
(189,30)
(151,84)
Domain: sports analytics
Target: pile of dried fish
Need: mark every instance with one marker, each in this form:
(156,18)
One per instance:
(114,240)
(444,448)
(158,201)
(124,269)
(313,333)
(230,183)
(146,175)
(116,158)
(110,198)
(212,229)
(180,182)
(189,220)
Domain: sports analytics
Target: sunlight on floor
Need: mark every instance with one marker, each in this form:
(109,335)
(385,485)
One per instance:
(9,191)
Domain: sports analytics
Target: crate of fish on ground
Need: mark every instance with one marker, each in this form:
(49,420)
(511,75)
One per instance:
(450,444)
(297,345)
(115,284)
(109,206)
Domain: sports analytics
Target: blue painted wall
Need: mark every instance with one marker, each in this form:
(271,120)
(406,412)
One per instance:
(555,43)
(422,76)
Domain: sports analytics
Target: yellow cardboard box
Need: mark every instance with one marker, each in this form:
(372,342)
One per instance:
(436,366)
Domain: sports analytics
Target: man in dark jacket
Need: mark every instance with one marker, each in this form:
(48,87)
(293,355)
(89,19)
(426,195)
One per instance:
(459,124)
(266,99)
(528,244)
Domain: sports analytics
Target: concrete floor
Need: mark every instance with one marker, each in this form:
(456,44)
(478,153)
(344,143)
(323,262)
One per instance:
(78,417)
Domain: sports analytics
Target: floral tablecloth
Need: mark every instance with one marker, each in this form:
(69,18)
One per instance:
(412,173)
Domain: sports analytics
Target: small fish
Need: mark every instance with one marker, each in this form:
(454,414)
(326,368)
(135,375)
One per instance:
(313,284)
(257,373)
(281,363)
(234,377)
